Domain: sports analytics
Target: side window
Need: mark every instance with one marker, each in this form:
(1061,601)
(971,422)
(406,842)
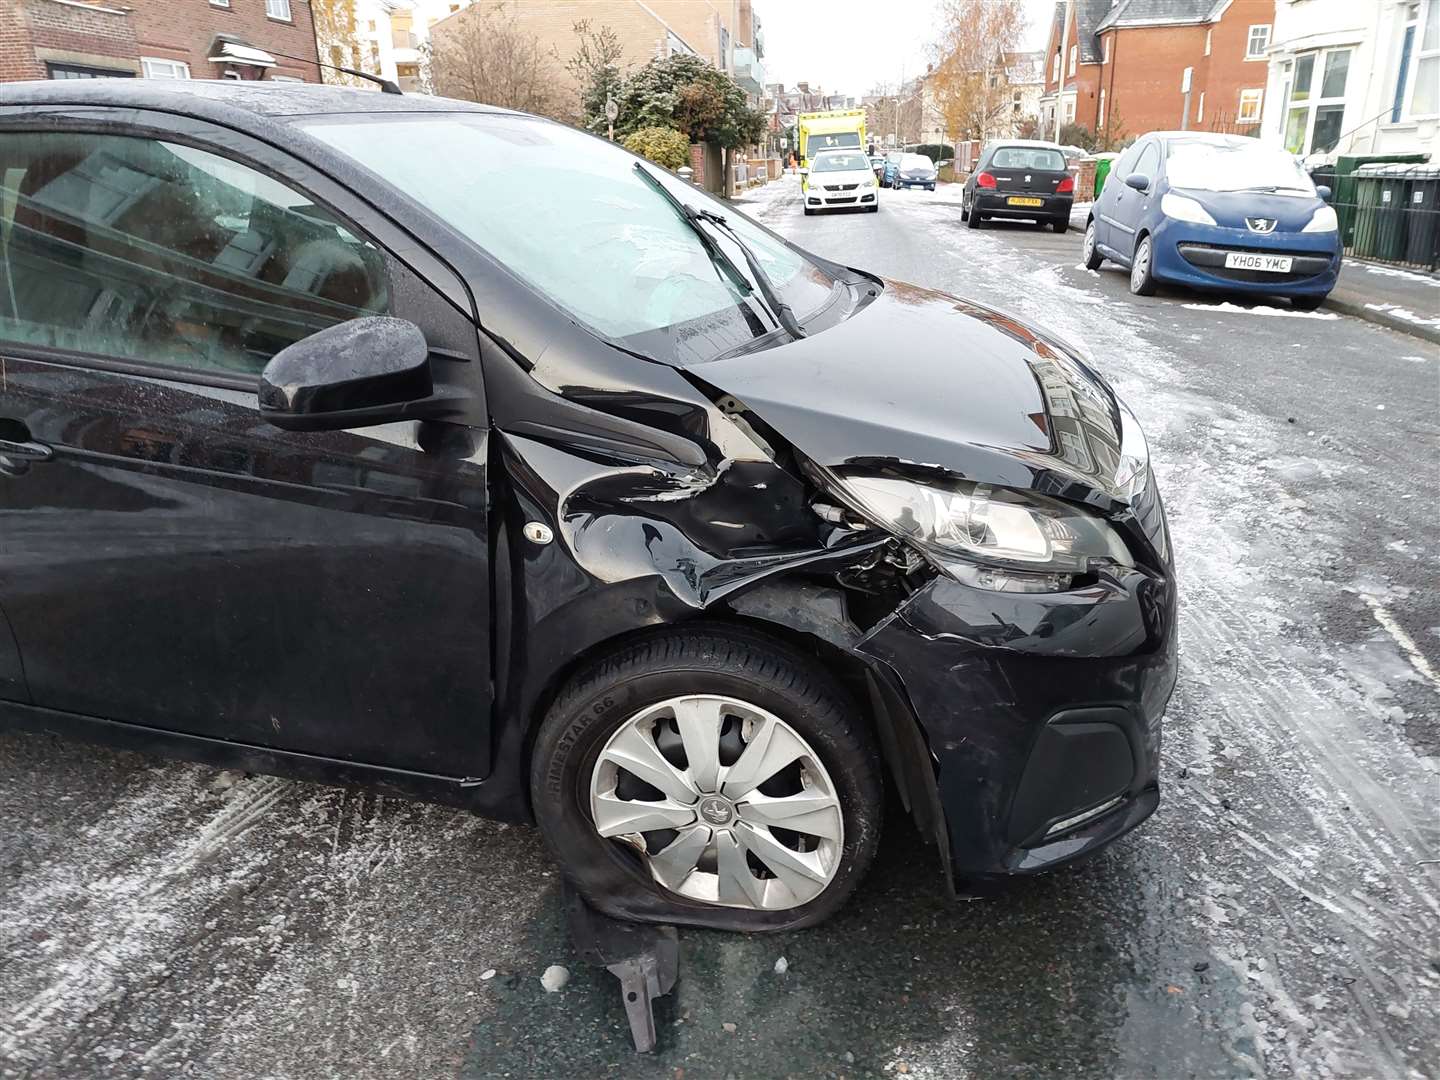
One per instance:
(1149,162)
(148,251)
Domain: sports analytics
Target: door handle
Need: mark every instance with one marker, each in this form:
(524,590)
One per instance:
(25,451)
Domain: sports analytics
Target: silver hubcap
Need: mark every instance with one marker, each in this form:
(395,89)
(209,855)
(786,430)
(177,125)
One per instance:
(726,803)
(1142,263)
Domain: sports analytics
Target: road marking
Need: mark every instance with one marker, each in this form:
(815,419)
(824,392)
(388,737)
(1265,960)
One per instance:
(1404,640)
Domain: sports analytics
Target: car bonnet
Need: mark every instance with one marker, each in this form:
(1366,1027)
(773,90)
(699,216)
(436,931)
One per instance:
(922,381)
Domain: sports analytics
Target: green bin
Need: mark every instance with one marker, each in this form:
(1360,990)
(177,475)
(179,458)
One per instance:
(1364,236)
(1344,197)
(1102,170)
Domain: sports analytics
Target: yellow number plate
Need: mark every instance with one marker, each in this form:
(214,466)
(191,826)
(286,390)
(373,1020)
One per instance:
(1016,200)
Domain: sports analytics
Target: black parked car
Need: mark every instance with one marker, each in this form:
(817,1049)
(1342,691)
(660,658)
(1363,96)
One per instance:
(408,442)
(1020,178)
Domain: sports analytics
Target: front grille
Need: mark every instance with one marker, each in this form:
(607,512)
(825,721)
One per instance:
(842,199)
(841,187)
(1211,259)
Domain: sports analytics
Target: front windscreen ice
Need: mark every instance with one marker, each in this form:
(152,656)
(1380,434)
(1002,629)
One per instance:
(1235,166)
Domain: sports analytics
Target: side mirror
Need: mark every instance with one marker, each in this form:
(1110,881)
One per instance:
(1138,180)
(1322,191)
(371,370)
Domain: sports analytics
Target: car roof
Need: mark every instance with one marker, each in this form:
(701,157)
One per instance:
(207,96)
(1217,137)
(1039,144)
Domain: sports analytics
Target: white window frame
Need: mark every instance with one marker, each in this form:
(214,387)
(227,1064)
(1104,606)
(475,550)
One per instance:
(279,10)
(1255,95)
(1100,111)
(219,3)
(1200,108)
(1055,68)
(1314,102)
(1105,56)
(284,78)
(1208,31)
(1074,57)
(1250,53)
(1417,55)
(1067,109)
(157,67)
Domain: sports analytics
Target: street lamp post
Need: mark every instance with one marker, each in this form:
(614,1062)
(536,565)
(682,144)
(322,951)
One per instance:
(612,110)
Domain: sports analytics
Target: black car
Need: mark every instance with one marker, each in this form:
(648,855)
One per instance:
(1020,178)
(408,442)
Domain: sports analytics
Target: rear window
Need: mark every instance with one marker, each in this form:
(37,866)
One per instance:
(1029,157)
(915,161)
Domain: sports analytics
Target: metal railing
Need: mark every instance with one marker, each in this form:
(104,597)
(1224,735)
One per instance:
(1390,215)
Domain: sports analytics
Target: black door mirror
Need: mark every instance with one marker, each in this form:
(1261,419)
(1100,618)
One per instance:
(1323,192)
(372,370)
(1138,180)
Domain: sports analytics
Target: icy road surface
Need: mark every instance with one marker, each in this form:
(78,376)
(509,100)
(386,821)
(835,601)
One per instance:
(1279,917)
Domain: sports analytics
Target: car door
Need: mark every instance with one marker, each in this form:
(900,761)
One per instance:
(1131,205)
(1108,205)
(169,559)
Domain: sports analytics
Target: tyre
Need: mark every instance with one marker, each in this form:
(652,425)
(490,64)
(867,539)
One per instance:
(974,219)
(709,778)
(930,188)
(808,211)
(1060,225)
(1142,275)
(1091,254)
(873,209)
(964,211)
(1306,303)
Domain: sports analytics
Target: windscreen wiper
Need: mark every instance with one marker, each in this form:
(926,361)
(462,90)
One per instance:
(777,308)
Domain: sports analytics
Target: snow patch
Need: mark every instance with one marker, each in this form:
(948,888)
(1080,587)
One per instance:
(1404,313)
(1263,309)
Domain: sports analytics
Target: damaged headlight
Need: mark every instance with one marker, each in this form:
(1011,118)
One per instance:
(991,537)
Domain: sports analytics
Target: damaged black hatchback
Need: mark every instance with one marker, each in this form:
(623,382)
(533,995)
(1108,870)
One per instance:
(406,442)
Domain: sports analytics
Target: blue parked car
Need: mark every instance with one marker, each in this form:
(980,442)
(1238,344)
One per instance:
(1215,212)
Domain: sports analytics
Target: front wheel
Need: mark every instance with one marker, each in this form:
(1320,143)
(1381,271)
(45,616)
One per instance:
(974,221)
(808,211)
(709,778)
(1092,256)
(1142,275)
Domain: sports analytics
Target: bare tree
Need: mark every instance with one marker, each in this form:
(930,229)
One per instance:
(969,81)
(337,35)
(483,54)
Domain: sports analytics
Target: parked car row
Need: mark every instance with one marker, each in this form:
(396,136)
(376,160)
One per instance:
(1201,209)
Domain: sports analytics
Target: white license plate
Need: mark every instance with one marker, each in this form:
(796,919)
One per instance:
(1269,264)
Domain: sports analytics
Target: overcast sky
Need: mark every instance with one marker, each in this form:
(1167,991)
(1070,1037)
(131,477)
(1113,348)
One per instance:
(847,46)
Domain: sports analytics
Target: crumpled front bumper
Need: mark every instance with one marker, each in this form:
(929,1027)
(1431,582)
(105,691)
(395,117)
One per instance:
(1042,712)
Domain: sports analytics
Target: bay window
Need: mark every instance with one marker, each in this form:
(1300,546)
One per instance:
(1417,82)
(1315,116)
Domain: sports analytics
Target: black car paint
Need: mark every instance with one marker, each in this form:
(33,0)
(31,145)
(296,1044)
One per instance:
(1025,183)
(674,496)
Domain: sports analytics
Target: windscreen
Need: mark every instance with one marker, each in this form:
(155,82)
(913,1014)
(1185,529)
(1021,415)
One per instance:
(1238,165)
(1029,157)
(568,214)
(840,163)
(840,140)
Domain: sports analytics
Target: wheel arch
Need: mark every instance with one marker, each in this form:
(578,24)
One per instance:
(809,618)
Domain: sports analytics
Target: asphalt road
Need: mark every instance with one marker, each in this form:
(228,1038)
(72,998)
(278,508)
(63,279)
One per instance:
(1278,917)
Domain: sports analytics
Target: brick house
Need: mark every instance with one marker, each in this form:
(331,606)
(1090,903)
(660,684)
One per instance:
(1116,66)
(161,39)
